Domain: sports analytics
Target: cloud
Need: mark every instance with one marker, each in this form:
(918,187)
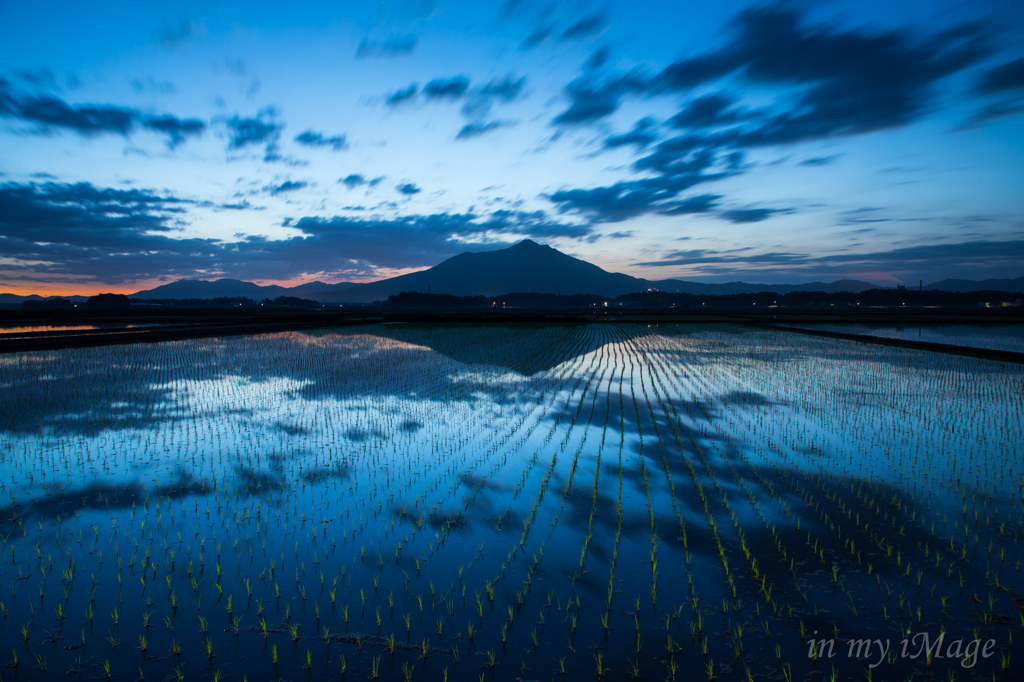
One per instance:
(1008,76)
(160,87)
(176,129)
(314,139)
(700,203)
(750,215)
(642,134)
(356,179)
(253,131)
(847,81)
(402,96)
(504,90)
(538,36)
(446,88)
(709,111)
(287,186)
(179,35)
(820,160)
(40,76)
(632,198)
(585,27)
(408,188)
(598,58)
(829,82)
(116,236)
(394,46)
(991,112)
(471,130)
(50,113)
(971,260)
(592,100)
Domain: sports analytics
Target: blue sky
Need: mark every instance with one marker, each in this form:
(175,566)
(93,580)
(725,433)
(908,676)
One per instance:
(793,142)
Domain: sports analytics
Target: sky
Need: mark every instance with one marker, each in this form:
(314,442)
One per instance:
(141,143)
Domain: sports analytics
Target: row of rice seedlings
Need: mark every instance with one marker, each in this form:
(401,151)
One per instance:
(817,507)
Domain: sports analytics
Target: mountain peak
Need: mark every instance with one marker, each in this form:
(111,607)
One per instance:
(528,244)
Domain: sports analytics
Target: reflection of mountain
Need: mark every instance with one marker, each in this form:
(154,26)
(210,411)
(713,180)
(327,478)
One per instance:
(130,388)
(523,349)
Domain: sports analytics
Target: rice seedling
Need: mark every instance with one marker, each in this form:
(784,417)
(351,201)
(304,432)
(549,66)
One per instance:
(700,485)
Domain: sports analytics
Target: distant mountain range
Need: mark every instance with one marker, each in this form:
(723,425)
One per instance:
(236,288)
(526,267)
(966,285)
(532,267)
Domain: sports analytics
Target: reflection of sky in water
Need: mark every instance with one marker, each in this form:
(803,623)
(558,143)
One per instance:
(307,398)
(528,453)
(1008,337)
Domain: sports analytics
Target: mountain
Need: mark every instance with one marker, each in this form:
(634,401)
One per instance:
(524,267)
(234,288)
(531,267)
(1011,285)
(15,298)
(316,290)
(682,287)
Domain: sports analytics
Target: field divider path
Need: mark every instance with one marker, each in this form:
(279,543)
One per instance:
(966,351)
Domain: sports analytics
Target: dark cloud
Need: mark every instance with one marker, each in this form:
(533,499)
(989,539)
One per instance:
(402,96)
(446,88)
(179,35)
(642,134)
(393,46)
(471,130)
(114,236)
(50,113)
(970,260)
(598,58)
(503,90)
(254,131)
(311,138)
(176,129)
(585,27)
(40,76)
(287,186)
(680,163)
(750,215)
(414,241)
(838,82)
(629,199)
(152,85)
(708,111)
(991,112)
(820,160)
(538,36)
(408,188)
(353,180)
(848,81)
(1008,76)
(700,203)
(593,100)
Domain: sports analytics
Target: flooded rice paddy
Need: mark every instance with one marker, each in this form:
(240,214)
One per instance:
(1008,337)
(475,503)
